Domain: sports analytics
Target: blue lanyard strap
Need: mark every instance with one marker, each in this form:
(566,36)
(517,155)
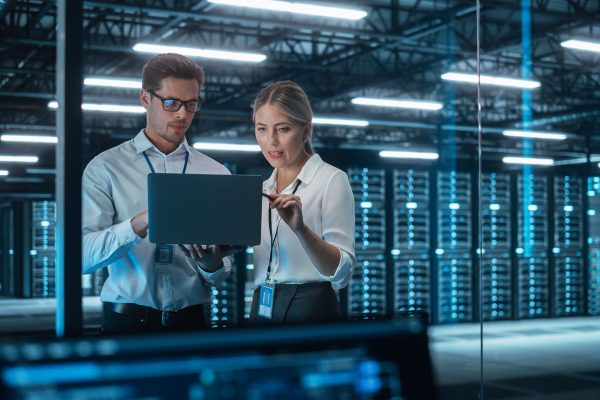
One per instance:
(273,238)
(185,164)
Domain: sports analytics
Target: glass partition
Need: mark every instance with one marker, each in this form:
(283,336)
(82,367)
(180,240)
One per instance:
(537,201)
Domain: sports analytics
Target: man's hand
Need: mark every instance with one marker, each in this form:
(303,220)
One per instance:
(209,258)
(139,223)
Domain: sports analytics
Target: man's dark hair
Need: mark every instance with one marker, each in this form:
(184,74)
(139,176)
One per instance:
(170,65)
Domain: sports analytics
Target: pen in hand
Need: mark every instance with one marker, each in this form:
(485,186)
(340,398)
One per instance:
(268,196)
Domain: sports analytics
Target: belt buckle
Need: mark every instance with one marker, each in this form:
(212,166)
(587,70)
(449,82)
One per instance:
(165,318)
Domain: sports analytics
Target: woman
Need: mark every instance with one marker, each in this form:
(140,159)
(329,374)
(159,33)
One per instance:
(307,245)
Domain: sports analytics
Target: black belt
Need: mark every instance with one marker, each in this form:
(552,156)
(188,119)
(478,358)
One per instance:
(149,315)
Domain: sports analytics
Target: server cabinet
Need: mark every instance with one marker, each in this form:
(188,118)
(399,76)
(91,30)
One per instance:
(367,291)
(532,246)
(411,241)
(454,260)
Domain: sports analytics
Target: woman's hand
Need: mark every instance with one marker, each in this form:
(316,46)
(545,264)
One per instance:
(289,207)
(209,258)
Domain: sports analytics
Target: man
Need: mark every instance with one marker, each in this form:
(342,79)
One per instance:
(150,287)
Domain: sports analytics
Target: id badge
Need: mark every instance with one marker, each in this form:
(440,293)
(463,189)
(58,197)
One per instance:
(265,302)
(163,255)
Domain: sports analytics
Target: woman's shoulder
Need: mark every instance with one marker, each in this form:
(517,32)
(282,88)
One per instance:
(329,172)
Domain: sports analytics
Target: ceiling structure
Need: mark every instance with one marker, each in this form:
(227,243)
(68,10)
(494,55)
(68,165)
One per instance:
(399,50)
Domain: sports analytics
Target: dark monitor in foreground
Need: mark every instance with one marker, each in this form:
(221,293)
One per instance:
(355,360)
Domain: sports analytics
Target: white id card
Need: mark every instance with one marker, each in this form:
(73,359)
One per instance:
(163,257)
(265,302)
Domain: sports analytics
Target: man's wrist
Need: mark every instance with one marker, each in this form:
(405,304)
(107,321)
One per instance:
(211,267)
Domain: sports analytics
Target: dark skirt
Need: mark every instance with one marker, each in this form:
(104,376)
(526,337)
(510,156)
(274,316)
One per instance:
(299,303)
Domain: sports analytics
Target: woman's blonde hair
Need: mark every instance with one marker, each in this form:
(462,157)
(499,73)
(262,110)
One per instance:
(291,101)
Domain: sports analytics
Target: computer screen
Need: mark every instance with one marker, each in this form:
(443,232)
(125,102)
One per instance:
(354,360)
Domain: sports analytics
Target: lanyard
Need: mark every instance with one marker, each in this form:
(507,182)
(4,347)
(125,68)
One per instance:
(185,164)
(273,238)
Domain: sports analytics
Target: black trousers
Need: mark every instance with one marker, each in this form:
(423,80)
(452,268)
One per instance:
(299,303)
(120,319)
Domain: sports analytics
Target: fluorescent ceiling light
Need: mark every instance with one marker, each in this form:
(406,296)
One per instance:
(110,82)
(41,171)
(19,159)
(296,8)
(23,180)
(29,138)
(3,172)
(491,80)
(411,104)
(203,53)
(528,161)
(535,135)
(338,121)
(226,146)
(581,45)
(409,154)
(106,108)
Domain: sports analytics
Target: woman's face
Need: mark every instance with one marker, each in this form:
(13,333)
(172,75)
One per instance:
(280,138)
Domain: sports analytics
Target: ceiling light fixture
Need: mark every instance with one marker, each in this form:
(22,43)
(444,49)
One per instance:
(409,154)
(410,104)
(202,53)
(105,108)
(535,135)
(226,146)
(297,8)
(339,121)
(18,159)
(528,161)
(110,82)
(581,45)
(491,80)
(28,138)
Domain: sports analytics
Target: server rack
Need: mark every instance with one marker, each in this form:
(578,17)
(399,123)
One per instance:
(532,246)
(411,241)
(568,272)
(496,290)
(593,242)
(43,253)
(367,291)
(454,261)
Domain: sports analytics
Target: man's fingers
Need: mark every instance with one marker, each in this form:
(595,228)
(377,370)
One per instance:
(185,251)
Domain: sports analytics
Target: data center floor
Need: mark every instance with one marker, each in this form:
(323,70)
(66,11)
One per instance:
(550,359)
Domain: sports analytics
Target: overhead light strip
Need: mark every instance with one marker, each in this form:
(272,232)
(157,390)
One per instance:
(28,138)
(528,161)
(534,134)
(226,146)
(3,172)
(202,53)
(581,45)
(18,159)
(409,104)
(339,121)
(297,8)
(105,108)
(409,154)
(491,80)
(41,171)
(115,83)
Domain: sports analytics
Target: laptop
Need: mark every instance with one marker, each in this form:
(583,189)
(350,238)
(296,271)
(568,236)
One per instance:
(204,209)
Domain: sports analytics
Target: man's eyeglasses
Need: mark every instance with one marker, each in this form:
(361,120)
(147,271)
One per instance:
(173,105)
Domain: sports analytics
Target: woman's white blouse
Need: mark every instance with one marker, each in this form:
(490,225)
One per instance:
(327,208)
